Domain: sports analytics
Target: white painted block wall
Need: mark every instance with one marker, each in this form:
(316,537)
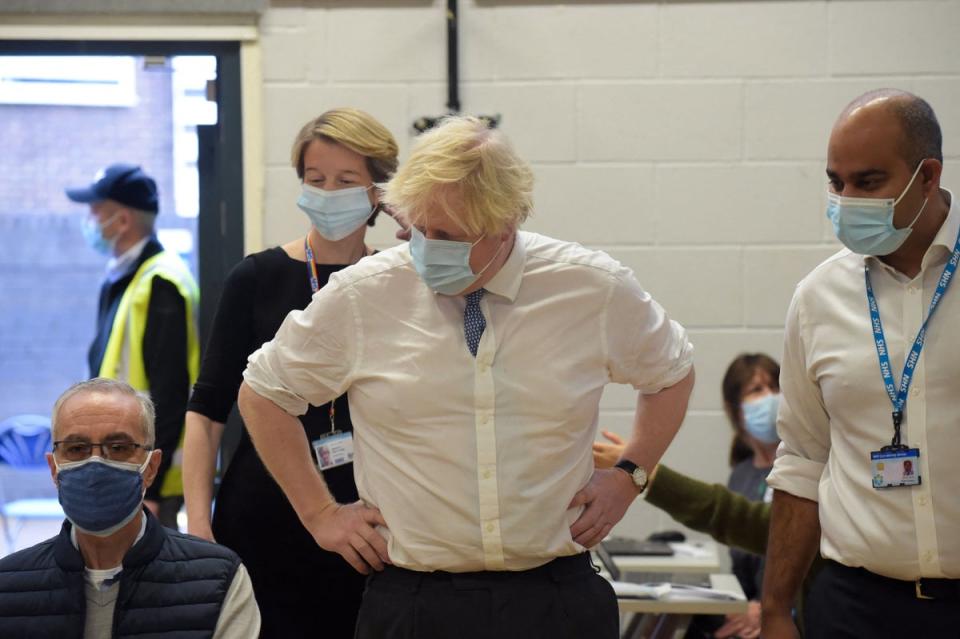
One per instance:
(686,139)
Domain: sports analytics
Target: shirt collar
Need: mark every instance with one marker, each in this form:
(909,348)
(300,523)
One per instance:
(506,282)
(118,266)
(946,237)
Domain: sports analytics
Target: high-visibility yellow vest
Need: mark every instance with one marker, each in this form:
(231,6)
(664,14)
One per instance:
(123,357)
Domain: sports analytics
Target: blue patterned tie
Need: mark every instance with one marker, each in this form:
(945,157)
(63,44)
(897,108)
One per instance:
(473,321)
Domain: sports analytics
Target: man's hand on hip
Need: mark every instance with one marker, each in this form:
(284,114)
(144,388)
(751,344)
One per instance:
(349,530)
(606,498)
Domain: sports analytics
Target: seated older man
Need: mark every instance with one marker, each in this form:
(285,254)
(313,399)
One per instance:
(114,571)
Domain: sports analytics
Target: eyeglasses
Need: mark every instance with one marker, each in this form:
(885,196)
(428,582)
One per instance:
(79,449)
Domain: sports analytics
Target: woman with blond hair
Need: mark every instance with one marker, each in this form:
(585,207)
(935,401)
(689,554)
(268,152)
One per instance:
(302,589)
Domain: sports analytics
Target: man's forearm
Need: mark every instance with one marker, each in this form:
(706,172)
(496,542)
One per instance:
(657,421)
(793,542)
(282,445)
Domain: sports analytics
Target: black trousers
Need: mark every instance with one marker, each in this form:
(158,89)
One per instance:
(564,599)
(853,603)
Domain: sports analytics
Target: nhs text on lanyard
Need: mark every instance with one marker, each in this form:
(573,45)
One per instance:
(897,464)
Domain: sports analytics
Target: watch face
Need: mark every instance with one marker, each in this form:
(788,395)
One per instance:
(639,476)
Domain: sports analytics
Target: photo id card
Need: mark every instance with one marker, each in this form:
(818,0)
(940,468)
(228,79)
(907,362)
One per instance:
(896,468)
(335,449)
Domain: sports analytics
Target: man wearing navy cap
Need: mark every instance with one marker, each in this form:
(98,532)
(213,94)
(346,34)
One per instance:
(146,319)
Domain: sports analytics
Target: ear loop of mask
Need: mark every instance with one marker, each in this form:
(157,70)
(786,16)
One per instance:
(909,184)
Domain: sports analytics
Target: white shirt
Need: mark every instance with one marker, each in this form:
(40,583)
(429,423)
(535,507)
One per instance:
(835,411)
(473,461)
(120,265)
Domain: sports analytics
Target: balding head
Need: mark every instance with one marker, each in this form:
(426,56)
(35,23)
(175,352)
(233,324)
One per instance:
(920,136)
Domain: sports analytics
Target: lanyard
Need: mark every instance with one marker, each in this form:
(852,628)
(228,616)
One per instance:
(898,397)
(315,286)
(311,265)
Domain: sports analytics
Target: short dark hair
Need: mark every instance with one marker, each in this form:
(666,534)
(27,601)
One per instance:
(739,373)
(922,137)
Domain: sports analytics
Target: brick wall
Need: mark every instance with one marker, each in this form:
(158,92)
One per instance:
(49,278)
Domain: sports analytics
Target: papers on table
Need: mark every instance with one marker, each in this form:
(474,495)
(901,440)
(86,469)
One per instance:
(670,592)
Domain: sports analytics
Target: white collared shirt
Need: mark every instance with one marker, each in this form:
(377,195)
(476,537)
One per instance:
(835,411)
(120,265)
(473,461)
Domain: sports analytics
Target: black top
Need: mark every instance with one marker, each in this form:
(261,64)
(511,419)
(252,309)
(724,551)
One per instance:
(164,353)
(252,515)
(751,482)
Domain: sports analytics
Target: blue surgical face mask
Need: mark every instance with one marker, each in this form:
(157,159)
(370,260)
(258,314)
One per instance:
(93,234)
(865,225)
(336,214)
(100,496)
(444,265)
(760,418)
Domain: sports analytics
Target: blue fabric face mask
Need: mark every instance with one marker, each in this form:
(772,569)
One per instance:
(93,234)
(865,225)
(444,265)
(100,496)
(760,418)
(336,214)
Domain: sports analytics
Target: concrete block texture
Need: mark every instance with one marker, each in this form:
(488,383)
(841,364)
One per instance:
(594,204)
(287,108)
(739,204)
(792,119)
(770,275)
(881,37)
(402,44)
(743,39)
(660,121)
(698,287)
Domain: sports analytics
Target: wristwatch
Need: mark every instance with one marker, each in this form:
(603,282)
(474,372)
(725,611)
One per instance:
(638,474)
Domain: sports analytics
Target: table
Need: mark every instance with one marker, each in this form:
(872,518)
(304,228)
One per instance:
(723,582)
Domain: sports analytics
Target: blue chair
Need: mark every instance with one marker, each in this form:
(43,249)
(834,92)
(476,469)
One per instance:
(26,490)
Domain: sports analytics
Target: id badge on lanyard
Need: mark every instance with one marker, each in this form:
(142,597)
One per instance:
(898,464)
(334,448)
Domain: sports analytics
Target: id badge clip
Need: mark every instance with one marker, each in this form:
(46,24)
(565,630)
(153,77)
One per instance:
(895,466)
(334,448)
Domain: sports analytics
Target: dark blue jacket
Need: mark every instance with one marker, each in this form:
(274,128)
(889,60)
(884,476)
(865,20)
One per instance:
(172,585)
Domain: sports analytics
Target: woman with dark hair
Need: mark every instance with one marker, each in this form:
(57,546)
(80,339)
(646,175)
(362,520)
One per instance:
(751,397)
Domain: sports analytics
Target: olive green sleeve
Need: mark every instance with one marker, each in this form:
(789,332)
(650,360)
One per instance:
(729,518)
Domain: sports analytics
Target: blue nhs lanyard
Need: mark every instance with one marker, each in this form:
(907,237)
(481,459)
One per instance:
(899,396)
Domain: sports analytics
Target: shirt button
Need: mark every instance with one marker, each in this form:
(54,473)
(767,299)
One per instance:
(915,390)
(484,418)
(487,474)
(928,556)
(923,500)
(912,289)
(489,528)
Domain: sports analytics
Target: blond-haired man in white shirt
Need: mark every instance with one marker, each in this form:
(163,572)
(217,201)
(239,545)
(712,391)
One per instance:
(849,420)
(474,359)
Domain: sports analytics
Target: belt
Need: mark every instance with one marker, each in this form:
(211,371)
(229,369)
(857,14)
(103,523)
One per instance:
(941,589)
(922,588)
(558,569)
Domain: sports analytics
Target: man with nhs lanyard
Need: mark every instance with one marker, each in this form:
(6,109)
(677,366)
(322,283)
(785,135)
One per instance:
(474,359)
(871,380)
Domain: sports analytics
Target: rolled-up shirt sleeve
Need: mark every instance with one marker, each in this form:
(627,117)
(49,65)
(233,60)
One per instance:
(645,348)
(310,359)
(802,423)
